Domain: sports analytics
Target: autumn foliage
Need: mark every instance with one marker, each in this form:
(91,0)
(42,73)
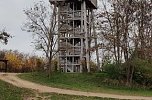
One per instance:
(19,62)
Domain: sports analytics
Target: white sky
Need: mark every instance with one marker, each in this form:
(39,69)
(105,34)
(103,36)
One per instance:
(12,18)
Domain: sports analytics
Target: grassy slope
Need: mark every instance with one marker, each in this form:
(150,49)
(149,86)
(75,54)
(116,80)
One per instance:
(10,92)
(83,82)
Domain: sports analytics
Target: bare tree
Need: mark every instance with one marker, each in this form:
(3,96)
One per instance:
(4,36)
(126,28)
(42,22)
(144,29)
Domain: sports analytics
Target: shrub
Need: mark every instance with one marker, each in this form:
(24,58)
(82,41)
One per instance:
(114,71)
(143,72)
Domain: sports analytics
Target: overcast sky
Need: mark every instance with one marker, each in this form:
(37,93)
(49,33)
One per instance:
(12,19)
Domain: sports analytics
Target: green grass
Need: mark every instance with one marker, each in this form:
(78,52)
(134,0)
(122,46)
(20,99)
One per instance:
(10,92)
(53,96)
(83,82)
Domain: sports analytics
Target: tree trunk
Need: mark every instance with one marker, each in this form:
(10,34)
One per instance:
(117,39)
(96,44)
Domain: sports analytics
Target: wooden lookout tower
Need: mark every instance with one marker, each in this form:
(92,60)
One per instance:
(74,33)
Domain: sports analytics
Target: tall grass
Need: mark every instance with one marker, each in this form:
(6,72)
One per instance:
(92,82)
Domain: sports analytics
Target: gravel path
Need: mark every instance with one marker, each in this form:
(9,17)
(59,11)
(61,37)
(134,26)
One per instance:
(13,79)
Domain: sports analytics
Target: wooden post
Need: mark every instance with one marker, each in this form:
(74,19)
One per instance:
(82,38)
(5,66)
(86,36)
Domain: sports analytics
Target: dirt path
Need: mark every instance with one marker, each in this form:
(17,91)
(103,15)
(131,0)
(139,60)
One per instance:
(13,79)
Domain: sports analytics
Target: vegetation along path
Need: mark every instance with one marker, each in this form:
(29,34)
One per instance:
(13,79)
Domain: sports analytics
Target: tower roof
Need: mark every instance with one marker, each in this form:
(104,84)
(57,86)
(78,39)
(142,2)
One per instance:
(90,3)
(93,2)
